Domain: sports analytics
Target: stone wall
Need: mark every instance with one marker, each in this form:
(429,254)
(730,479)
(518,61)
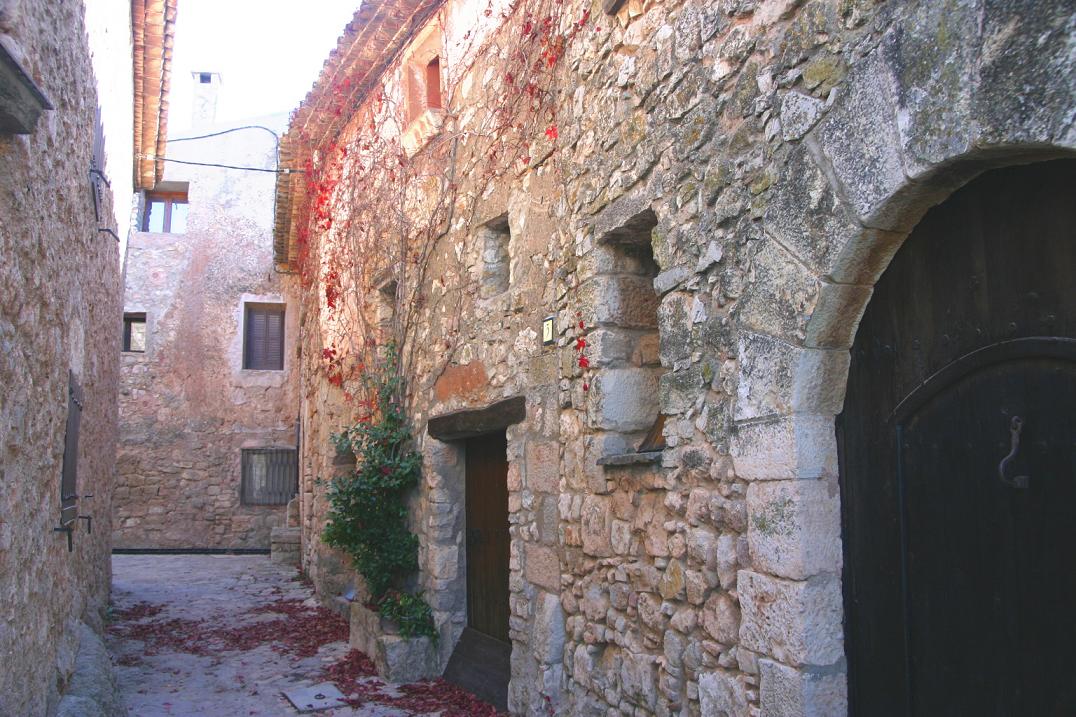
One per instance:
(783,150)
(187,405)
(60,295)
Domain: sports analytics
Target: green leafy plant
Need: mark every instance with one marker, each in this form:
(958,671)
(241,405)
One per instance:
(410,611)
(368,506)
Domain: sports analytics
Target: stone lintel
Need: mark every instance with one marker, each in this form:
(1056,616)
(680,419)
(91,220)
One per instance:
(474,422)
(631,459)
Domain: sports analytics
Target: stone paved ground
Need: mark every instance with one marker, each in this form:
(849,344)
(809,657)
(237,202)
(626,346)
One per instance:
(224,635)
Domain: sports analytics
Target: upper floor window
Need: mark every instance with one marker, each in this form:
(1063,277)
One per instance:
(263,337)
(134,332)
(433,84)
(166,210)
(422,75)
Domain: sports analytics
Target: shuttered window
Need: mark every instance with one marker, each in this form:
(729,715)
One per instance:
(270,476)
(263,340)
(69,472)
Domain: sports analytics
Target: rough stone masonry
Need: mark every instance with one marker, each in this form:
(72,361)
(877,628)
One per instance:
(735,177)
(188,404)
(59,302)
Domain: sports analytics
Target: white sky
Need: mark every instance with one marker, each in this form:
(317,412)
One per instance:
(268,52)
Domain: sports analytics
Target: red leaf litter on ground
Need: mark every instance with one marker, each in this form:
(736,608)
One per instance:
(431,696)
(349,668)
(417,698)
(138,611)
(176,635)
(302,630)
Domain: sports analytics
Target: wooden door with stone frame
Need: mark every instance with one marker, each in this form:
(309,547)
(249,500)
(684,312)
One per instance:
(958,460)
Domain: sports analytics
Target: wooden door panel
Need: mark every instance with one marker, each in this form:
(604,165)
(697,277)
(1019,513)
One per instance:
(984,558)
(487,535)
(958,590)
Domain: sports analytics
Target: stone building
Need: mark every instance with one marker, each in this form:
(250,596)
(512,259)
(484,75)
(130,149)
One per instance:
(207,398)
(66,168)
(732,482)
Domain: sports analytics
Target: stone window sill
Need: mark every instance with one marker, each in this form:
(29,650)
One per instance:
(631,459)
(421,130)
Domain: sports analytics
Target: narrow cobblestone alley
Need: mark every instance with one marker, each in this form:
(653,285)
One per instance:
(226,635)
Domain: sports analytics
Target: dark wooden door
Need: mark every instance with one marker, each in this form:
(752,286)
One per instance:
(487,535)
(960,581)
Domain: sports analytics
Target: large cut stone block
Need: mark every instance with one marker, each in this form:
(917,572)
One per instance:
(543,566)
(405,659)
(932,58)
(1026,72)
(626,300)
(722,695)
(398,659)
(460,381)
(284,545)
(543,467)
(625,399)
(548,633)
(638,679)
(805,214)
(781,295)
(798,446)
(794,527)
(596,518)
(765,382)
(789,692)
(859,139)
(797,622)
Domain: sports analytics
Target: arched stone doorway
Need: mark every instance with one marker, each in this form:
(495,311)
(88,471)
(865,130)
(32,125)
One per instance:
(899,139)
(956,598)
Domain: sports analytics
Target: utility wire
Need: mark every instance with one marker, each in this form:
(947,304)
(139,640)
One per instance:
(225,166)
(226,131)
(276,141)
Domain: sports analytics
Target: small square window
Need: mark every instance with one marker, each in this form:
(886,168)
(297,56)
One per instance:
(269,476)
(134,333)
(166,212)
(263,337)
(495,237)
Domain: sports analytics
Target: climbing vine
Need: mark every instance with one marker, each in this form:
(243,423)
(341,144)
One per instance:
(368,507)
(377,214)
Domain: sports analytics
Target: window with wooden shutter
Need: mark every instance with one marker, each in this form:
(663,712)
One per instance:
(269,476)
(69,472)
(263,339)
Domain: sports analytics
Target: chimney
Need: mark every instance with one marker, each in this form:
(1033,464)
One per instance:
(206,87)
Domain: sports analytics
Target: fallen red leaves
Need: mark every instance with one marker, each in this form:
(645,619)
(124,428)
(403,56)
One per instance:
(303,630)
(138,611)
(449,699)
(349,668)
(175,635)
(417,698)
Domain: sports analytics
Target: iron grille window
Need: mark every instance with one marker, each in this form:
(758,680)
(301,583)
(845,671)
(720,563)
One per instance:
(270,476)
(263,338)
(134,332)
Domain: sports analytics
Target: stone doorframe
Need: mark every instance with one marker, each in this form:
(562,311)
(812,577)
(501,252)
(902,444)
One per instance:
(919,116)
(444,558)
